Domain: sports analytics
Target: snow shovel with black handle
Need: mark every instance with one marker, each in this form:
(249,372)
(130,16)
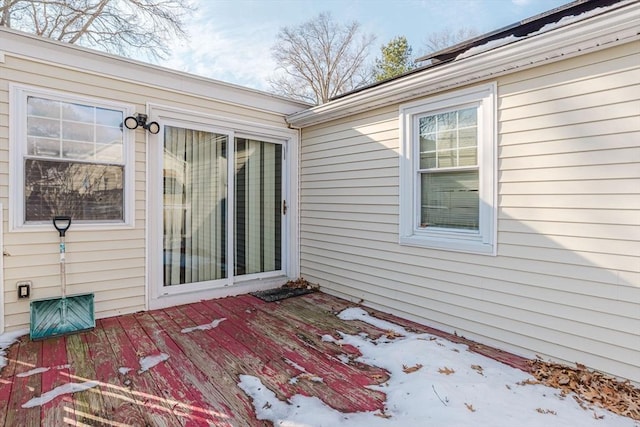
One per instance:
(65,315)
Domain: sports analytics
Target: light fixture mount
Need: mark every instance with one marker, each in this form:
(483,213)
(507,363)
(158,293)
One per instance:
(132,122)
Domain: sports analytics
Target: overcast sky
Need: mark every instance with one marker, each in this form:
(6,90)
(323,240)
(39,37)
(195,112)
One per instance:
(230,40)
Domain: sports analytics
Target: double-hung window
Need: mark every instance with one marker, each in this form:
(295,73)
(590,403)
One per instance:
(70,157)
(448,171)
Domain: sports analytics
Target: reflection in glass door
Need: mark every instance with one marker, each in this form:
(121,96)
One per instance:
(258,206)
(194,197)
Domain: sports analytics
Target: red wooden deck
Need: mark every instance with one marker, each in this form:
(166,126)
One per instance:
(197,384)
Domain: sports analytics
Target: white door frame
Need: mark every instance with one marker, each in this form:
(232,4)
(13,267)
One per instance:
(159,296)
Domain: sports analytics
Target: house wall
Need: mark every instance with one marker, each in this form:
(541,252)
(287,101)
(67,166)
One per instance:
(565,282)
(110,263)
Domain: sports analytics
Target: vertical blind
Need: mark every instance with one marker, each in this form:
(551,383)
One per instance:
(258,206)
(195,204)
(195,196)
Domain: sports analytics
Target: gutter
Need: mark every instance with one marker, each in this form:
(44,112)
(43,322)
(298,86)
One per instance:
(614,27)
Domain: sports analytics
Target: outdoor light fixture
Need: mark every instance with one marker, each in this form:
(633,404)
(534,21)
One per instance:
(141,120)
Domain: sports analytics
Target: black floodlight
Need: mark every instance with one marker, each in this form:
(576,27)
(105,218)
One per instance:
(132,122)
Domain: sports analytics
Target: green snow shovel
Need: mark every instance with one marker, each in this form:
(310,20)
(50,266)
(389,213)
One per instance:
(60,316)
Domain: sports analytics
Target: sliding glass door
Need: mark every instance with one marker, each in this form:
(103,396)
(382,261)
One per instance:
(204,240)
(195,212)
(258,203)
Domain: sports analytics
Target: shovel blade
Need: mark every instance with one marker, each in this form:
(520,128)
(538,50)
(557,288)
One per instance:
(61,316)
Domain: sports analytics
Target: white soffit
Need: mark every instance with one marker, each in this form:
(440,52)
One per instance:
(612,28)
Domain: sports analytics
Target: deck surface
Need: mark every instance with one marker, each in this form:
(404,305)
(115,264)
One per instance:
(192,374)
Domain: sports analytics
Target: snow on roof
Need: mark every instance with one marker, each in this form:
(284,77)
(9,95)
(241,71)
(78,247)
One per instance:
(564,21)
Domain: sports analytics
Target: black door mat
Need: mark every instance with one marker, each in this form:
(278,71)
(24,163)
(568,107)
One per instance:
(271,295)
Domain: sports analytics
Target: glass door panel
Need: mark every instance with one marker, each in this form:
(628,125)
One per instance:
(258,206)
(194,198)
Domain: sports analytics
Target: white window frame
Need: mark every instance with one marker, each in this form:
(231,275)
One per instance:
(483,240)
(18,95)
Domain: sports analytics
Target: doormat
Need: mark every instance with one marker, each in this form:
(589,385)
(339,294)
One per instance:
(272,295)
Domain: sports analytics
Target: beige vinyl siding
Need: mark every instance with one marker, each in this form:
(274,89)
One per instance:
(111,264)
(565,283)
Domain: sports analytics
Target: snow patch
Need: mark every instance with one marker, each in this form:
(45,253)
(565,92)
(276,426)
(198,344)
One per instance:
(432,381)
(32,372)
(124,370)
(58,391)
(566,20)
(6,340)
(149,362)
(204,327)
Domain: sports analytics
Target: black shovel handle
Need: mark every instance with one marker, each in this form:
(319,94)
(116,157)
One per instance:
(62,224)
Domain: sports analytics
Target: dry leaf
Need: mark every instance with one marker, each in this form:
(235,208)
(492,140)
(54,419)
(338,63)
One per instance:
(590,387)
(470,407)
(446,371)
(266,405)
(382,415)
(392,335)
(409,369)
(546,411)
(478,369)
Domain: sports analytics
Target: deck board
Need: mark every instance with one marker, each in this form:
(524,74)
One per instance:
(280,343)
(25,387)
(53,413)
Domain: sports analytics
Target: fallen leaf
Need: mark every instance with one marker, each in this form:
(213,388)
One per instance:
(382,415)
(470,407)
(266,405)
(409,369)
(546,411)
(478,369)
(588,387)
(446,371)
(393,334)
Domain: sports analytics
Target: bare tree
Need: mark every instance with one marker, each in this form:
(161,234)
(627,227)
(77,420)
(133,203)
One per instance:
(117,26)
(447,37)
(320,59)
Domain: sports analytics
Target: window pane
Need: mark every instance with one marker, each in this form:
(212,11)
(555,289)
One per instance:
(108,135)
(43,107)
(43,147)
(258,206)
(428,160)
(77,131)
(428,142)
(77,150)
(427,125)
(84,191)
(450,200)
(78,113)
(111,118)
(446,140)
(109,152)
(37,126)
(195,196)
(468,137)
(468,157)
(447,159)
(468,117)
(447,121)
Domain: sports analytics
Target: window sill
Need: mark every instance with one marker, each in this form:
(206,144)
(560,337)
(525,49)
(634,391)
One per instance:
(48,226)
(466,244)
